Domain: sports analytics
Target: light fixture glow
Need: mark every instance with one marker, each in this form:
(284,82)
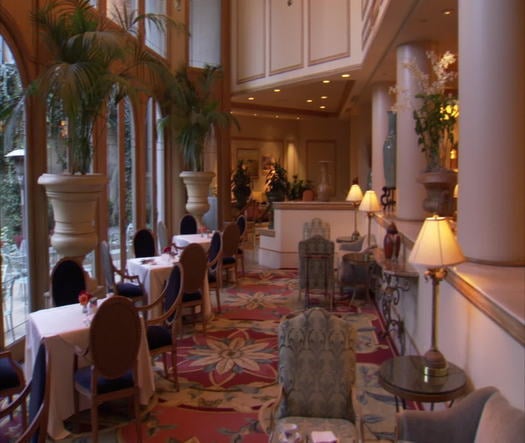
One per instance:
(345,75)
(326,82)
(322,107)
(309,100)
(324,97)
(251,98)
(276,90)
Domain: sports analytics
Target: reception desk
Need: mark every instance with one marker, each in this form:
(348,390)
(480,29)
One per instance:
(278,247)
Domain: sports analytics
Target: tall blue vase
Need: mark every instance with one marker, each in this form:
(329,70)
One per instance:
(389,152)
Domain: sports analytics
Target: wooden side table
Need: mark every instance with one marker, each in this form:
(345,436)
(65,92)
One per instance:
(404,377)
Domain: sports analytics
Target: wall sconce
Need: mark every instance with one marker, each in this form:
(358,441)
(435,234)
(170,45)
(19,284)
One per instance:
(355,195)
(436,248)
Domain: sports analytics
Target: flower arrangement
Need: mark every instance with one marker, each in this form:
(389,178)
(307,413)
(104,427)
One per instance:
(85,298)
(436,110)
(171,250)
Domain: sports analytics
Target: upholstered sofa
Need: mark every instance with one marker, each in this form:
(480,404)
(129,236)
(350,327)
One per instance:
(483,416)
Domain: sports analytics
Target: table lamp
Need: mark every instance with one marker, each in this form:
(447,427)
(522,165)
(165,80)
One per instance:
(436,248)
(355,195)
(370,204)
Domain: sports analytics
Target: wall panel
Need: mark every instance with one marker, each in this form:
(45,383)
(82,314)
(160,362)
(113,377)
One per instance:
(251,31)
(329,30)
(286,36)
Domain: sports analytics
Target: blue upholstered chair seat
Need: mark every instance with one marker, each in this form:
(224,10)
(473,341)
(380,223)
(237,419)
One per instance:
(129,290)
(194,296)
(104,385)
(8,375)
(158,337)
(228,260)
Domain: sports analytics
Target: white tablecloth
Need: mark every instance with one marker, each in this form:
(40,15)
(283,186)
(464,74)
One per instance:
(153,273)
(65,328)
(184,240)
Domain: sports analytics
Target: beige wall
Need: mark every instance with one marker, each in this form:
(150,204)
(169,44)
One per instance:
(299,144)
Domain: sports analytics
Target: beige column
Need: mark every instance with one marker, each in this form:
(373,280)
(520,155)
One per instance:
(381,103)
(410,159)
(360,142)
(491,203)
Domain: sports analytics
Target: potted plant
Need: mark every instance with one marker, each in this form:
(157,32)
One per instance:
(276,185)
(191,113)
(435,115)
(240,185)
(90,61)
(297,188)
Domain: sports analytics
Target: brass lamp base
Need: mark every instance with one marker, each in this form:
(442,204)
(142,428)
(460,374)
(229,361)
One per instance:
(435,364)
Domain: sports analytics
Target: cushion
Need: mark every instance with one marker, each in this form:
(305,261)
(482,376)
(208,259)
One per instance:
(8,375)
(500,422)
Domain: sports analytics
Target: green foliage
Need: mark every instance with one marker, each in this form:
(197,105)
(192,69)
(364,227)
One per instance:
(240,184)
(277,180)
(191,111)
(297,187)
(90,61)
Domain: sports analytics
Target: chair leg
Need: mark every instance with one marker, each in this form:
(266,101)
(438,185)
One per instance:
(94,422)
(174,367)
(218,296)
(136,402)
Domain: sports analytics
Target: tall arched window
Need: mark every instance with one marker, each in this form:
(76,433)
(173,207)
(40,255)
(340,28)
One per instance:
(13,234)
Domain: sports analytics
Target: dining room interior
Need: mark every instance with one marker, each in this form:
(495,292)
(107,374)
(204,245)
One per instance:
(230,168)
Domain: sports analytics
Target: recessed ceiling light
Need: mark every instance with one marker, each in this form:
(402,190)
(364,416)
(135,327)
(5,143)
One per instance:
(251,98)
(322,107)
(324,97)
(309,100)
(326,81)
(447,11)
(276,115)
(345,75)
(276,90)
(298,118)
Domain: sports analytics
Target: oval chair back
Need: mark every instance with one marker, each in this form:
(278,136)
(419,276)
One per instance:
(115,337)
(194,263)
(215,266)
(188,224)
(144,243)
(231,238)
(241,223)
(67,282)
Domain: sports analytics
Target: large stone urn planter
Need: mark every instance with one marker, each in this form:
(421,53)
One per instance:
(74,201)
(198,188)
(440,191)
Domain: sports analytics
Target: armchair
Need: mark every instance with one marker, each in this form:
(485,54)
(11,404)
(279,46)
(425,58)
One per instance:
(316,376)
(483,416)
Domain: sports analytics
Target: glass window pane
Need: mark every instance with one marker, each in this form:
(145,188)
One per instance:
(205,33)
(155,38)
(13,233)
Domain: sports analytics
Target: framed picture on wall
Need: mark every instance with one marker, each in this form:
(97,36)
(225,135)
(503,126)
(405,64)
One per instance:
(250,158)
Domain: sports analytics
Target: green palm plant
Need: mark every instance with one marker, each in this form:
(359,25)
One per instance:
(91,60)
(191,111)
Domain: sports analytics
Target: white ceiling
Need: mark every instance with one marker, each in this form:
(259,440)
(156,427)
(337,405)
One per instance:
(425,22)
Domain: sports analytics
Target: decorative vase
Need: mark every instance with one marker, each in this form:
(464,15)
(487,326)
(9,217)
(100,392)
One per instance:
(324,189)
(440,191)
(389,152)
(198,188)
(392,242)
(74,201)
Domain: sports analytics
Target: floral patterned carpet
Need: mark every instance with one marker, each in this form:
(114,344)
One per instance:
(227,374)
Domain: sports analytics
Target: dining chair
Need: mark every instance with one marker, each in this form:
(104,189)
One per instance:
(231,237)
(12,380)
(144,243)
(162,236)
(36,391)
(215,266)
(316,376)
(195,267)
(242,223)
(188,225)
(128,286)
(114,340)
(67,282)
(161,331)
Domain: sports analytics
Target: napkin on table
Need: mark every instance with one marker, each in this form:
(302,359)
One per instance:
(323,437)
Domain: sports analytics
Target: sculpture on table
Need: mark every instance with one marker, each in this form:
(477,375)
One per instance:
(392,242)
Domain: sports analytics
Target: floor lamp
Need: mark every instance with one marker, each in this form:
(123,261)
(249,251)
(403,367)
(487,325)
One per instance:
(435,248)
(354,196)
(370,204)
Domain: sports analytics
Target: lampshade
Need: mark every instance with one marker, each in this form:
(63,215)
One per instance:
(436,246)
(370,203)
(354,194)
